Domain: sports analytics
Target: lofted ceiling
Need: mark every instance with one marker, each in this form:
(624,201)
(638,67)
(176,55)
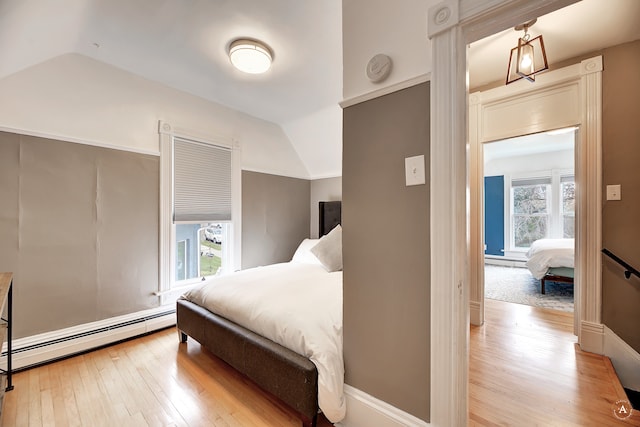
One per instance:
(183,44)
(573,31)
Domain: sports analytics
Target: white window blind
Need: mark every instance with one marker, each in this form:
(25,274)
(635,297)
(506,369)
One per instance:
(202,182)
(531,181)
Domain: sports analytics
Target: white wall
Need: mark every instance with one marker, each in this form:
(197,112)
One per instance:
(396,29)
(72,97)
(521,165)
(318,139)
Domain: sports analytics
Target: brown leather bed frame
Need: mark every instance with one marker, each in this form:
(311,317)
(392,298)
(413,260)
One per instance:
(288,376)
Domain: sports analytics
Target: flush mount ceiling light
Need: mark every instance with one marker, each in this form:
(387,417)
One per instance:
(528,58)
(250,56)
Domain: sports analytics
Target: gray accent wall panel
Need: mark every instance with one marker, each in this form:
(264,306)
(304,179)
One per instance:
(79,230)
(620,218)
(129,200)
(386,250)
(275,217)
(9,197)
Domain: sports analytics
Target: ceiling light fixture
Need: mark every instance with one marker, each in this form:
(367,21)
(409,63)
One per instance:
(250,56)
(528,58)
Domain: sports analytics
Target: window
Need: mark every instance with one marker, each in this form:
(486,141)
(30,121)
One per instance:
(530,210)
(542,207)
(200,209)
(568,191)
(200,249)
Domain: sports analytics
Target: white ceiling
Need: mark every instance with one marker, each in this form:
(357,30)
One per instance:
(575,30)
(182,43)
(530,144)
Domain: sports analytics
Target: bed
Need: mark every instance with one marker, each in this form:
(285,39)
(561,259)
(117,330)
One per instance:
(281,359)
(551,260)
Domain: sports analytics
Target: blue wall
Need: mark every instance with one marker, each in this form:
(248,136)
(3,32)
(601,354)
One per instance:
(494,215)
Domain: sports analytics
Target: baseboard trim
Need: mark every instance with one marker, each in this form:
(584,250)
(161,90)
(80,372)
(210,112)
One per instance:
(592,337)
(624,358)
(366,410)
(46,347)
(475,313)
(506,262)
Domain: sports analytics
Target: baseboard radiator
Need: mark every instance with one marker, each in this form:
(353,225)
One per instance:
(51,346)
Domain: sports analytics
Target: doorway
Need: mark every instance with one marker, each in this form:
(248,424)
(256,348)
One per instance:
(456,279)
(558,102)
(529,219)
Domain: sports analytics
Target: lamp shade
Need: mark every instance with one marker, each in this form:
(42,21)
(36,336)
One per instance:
(250,56)
(527,59)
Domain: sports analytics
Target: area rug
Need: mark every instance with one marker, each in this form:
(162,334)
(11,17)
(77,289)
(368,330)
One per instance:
(517,285)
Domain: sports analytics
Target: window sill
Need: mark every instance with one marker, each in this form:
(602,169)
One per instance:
(170,296)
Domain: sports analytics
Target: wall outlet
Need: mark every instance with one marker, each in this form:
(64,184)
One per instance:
(414,170)
(614,192)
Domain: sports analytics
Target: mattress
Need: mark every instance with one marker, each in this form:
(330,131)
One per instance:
(550,253)
(296,305)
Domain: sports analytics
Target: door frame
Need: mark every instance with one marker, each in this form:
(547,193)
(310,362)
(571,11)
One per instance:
(452,25)
(561,98)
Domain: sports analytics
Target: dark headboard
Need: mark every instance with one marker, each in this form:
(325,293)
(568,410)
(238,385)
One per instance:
(330,216)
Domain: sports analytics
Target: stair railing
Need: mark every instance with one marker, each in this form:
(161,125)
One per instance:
(628,269)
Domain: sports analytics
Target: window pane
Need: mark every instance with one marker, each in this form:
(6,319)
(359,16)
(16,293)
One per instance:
(181,260)
(568,226)
(199,250)
(211,243)
(568,197)
(568,188)
(530,199)
(527,229)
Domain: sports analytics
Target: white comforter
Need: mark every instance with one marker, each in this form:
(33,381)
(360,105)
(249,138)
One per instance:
(299,306)
(546,253)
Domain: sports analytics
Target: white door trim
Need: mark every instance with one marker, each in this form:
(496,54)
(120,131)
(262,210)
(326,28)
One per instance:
(570,96)
(452,24)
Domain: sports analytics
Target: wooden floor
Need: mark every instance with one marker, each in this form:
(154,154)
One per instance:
(525,369)
(149,381)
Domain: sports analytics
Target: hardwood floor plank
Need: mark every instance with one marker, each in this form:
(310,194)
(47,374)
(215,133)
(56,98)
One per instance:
(35,403)
(71,411)
(526,369)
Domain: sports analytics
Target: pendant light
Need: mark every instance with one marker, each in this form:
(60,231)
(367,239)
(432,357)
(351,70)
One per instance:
(528,58)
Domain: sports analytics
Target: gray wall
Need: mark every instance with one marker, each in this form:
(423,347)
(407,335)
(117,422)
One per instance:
(386,250)
(275,217)
(323,190)
(621,219)
(79,230)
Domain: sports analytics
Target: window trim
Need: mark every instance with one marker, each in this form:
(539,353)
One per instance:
(167,133)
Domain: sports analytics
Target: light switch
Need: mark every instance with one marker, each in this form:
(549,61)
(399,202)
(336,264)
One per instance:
(414,170)
(614,192)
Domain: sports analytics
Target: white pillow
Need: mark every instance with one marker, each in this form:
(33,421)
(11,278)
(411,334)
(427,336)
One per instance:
(329,249)
(303,254)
